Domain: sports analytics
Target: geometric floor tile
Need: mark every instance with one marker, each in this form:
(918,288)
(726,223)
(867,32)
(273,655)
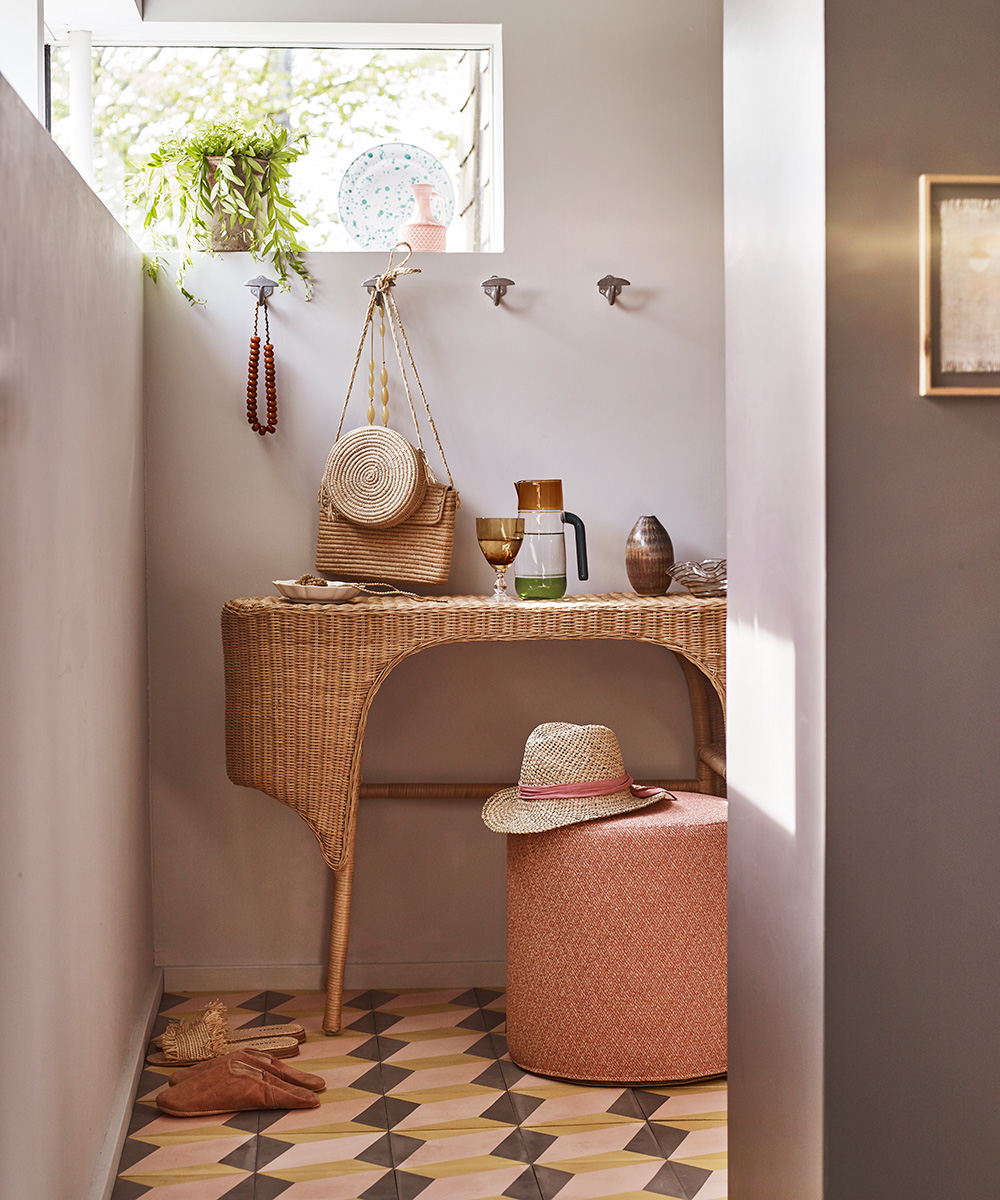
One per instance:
(422,1099)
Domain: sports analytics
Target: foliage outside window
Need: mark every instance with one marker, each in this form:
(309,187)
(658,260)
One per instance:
(343,100)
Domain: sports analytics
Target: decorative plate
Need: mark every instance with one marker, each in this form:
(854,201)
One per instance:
(375,196)
(335,592)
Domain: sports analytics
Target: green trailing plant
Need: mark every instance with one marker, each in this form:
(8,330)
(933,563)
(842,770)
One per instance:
(224,185)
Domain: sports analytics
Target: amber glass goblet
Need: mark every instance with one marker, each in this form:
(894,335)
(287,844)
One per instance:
(500,539)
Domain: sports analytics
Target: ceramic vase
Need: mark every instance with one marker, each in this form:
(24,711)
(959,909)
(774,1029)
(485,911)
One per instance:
(649,555)
(422,232)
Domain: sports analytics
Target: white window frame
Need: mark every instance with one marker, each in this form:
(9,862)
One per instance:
(322,34)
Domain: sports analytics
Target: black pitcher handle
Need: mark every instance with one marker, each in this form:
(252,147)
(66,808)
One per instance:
(581,543)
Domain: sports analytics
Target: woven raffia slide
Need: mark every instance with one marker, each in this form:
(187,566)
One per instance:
(208,1036)
(292,1029)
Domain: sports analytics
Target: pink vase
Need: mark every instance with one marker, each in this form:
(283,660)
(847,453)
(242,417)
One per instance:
(421,230)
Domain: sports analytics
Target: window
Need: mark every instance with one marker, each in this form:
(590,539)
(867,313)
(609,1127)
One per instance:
(438,93)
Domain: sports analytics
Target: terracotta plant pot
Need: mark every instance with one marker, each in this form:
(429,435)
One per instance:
(231,232)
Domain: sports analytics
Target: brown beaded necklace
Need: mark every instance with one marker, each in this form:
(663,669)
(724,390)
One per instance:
(270,388)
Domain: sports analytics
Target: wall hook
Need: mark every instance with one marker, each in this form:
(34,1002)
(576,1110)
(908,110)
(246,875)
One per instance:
(611,286)
(261,287)
(496,288)
(372,284)
(380,283)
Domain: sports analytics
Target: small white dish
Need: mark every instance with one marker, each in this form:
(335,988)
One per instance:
(335,592)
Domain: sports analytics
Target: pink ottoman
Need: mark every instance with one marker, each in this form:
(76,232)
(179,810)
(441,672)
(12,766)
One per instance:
(616,945)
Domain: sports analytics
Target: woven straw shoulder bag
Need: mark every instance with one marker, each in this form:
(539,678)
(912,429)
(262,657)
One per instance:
(375,478)
(383,515)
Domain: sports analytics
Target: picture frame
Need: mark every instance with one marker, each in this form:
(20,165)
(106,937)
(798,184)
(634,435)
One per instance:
(960,285)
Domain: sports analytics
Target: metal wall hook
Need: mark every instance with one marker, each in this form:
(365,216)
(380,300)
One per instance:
(261,287)
(611,286)
(496,288)
(380,283)
(372,285)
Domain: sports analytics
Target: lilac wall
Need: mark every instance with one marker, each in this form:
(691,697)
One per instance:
(75,939)
(613,162)
(864,970)
(774,445)
(914,651)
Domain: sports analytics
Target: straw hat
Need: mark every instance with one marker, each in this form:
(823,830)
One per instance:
(569,773)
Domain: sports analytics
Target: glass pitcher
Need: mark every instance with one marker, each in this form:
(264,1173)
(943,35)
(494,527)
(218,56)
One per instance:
(540,571)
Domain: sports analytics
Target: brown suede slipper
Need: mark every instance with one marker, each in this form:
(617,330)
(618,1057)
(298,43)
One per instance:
(263,1062)
(235,1087)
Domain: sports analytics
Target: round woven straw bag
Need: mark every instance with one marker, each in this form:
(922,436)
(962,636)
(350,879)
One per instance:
(375,477)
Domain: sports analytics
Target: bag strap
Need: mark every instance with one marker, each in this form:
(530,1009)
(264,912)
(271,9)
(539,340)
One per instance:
(381,294)
(379,290)
(394,316)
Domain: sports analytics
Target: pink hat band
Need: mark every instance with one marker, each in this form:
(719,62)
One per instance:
(597,787)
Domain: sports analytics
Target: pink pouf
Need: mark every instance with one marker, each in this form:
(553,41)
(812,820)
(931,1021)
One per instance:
(616,945)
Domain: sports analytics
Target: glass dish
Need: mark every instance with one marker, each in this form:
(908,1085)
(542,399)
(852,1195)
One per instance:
(705,578)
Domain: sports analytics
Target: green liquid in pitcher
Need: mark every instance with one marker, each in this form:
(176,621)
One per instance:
(540,587)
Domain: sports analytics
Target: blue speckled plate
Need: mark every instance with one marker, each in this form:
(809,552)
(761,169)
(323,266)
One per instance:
(375,196)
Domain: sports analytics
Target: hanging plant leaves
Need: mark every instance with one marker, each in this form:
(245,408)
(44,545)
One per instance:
(227,173)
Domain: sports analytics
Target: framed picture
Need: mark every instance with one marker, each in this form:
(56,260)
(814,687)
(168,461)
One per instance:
(960,285)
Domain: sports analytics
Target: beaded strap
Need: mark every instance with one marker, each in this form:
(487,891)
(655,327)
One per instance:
(371,589)
(270,387)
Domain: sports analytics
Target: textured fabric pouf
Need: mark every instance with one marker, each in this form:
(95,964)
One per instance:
(616,945)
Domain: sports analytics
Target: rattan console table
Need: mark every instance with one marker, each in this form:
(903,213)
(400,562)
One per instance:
(300,679)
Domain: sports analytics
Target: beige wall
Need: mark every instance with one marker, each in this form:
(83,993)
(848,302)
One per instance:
(612,134)
(76,949)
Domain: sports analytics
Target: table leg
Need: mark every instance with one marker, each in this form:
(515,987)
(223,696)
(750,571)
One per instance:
(339,928)
(717,723)
(707,722)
